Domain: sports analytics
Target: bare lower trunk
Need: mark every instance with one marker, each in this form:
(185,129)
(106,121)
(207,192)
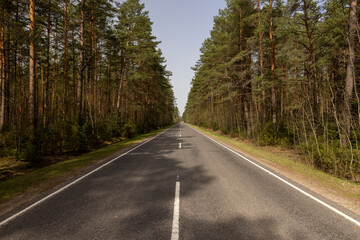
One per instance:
(260,40)
(247,116)
(81,79)
(273,91)
(118,103)
(108,90)
(92,102)
(46,92)
(350,71)
(2,77)
(122,74)
(32,70)
(66,95)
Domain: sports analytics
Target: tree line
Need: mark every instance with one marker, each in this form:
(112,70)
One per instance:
(74,73)
(284,73)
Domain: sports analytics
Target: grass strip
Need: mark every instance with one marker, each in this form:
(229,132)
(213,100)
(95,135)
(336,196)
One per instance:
(346,187)
(21,183)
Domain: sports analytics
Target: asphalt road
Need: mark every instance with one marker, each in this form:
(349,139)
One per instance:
(221,196)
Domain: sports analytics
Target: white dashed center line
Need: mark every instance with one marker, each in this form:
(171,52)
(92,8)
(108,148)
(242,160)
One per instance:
(175,225)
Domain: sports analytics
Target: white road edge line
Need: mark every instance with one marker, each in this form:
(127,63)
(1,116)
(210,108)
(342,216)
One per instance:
(175,224)
(286,182)
(75,181)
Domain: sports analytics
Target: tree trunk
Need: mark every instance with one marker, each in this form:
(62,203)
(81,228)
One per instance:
(261,64)
(81,79)
(123,66)
(74,74)
(16,86)
(311,73)
(350,71)
(108,90)
(118,103)
(46,92)
(32,115)
(2,76)
(273,93)
(7,82)
(92,102)
(66,95)
(99,80)
(260,40)
(55,73)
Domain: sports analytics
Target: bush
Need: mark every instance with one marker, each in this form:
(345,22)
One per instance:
(129,130)
(72,135)
(214,126)
(28,147)
(283,135)
(30,152)
(332,158)
(79,135)
(7,143)
(268,135)
(271,135)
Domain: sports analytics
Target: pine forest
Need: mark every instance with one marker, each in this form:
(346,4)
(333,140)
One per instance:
(74,73)
(284,73)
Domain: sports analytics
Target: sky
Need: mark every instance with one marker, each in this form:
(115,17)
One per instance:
(182,26)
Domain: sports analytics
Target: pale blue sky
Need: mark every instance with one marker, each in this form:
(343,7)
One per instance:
(182,26)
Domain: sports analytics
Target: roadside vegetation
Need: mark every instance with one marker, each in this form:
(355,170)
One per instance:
(284,73)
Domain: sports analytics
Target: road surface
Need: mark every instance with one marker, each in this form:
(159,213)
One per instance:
(183,185)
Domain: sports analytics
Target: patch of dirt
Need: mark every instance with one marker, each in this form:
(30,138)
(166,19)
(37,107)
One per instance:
(336,195)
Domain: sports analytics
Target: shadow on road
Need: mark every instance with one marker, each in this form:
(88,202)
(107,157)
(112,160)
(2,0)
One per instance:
(231,228)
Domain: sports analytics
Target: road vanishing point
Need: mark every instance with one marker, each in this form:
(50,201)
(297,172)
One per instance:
(181,185)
